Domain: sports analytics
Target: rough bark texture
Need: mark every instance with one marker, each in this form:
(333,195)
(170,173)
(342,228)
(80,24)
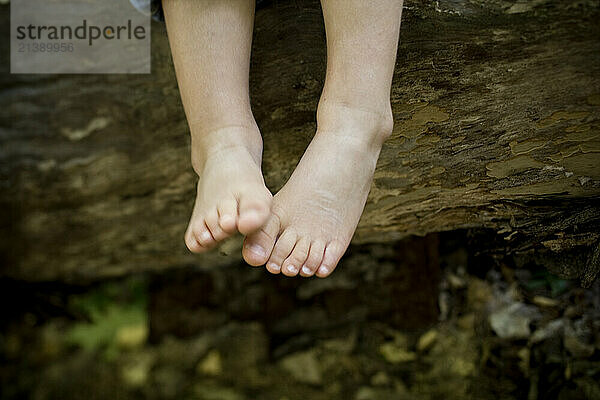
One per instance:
(497,125)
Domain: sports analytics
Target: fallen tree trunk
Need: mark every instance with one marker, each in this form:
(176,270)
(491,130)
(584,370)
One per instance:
(497,126)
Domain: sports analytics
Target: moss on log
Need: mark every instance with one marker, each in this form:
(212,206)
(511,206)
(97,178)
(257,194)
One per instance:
(497,126)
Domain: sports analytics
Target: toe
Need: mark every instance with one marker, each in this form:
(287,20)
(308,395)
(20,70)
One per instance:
(292,264)
(198,237)
(191,242)
(333,252)
(283,248)
(212,222)
(227,212)
(254,209)
(203,235)
(196,219)
(315,256)
(258,246)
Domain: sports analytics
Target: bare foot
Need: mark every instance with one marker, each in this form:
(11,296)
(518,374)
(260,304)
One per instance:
(231,192)
(315,214)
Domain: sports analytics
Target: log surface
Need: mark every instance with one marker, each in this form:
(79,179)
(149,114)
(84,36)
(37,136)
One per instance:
(497,126)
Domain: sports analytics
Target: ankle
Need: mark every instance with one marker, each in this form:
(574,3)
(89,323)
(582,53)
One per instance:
(373,125)
(211,143)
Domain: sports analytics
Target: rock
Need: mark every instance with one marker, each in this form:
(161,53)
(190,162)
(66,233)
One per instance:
(479,292)
(380,379)
(552,329)
(545,301)
(512,321)
(397,351)
(394,353)
(344,345)
(524,357)
(453,360)
(303,367)
(462,367)
(455,281)
(427,340)
(444,305)
(577,339)
(211,364)
(135,370)
(573,311)
(131,336)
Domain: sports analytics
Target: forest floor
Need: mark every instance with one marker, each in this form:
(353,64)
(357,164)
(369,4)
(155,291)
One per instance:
(425,318)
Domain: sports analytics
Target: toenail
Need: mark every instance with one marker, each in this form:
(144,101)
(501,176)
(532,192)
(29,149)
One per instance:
(323,270)
(306,270)
(205,236)
(292,269)
(256,249)
(274,266)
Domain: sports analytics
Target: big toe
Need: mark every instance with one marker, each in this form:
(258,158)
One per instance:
(259,245)
(254,209)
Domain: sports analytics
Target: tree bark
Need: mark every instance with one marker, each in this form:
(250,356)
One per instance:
(497,126)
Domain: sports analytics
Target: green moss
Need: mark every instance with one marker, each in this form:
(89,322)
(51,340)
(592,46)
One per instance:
(109,308)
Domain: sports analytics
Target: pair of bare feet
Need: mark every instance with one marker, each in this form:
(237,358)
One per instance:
(307,226)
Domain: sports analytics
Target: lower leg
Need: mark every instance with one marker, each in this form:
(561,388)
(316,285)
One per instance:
(362,38)
(315,214)
(210,42)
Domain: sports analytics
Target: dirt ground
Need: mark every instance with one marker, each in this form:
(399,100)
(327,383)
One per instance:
(426,318)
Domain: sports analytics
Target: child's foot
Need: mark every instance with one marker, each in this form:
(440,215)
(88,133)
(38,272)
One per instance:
(231,192)
(315,214)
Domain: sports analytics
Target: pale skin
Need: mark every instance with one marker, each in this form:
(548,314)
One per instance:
(307,226)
